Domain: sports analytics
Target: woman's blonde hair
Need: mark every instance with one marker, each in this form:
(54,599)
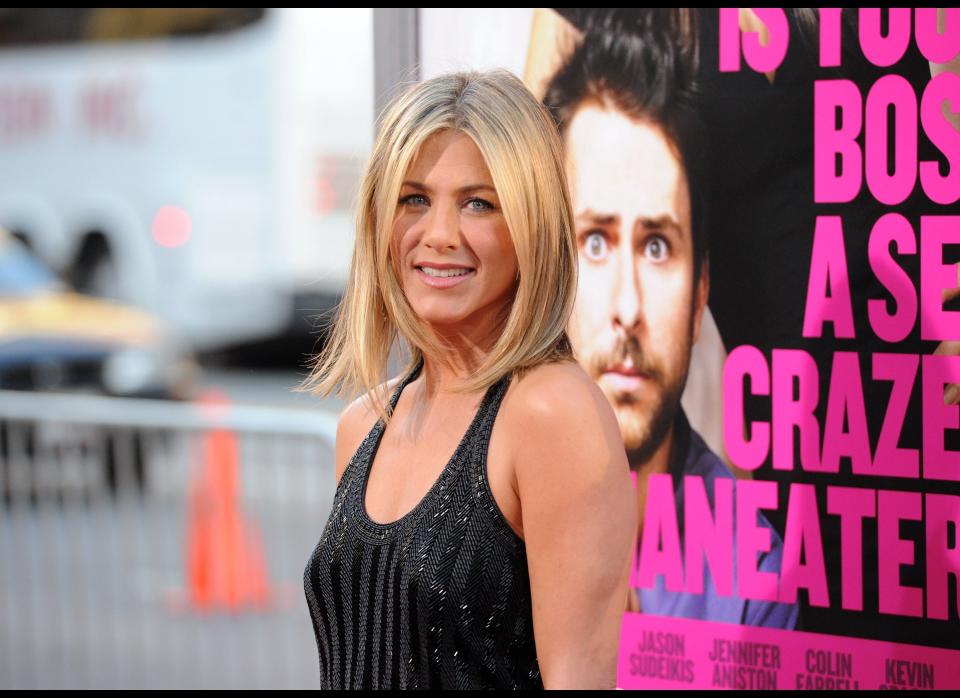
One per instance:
(524,155)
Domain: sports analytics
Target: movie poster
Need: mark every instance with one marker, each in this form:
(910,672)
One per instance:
(767,223)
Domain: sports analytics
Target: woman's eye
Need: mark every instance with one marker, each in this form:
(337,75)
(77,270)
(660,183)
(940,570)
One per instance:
(595,246)
(656,249)
(483,205)
(413,199)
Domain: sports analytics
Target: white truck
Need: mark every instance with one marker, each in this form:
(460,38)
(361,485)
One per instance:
(199,163)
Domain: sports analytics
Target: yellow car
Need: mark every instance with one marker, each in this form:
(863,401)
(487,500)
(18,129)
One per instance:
(53,339)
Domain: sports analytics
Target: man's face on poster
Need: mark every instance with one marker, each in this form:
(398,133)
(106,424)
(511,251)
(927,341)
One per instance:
(637,311)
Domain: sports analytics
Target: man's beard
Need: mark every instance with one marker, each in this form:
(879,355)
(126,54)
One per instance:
(643,431)
(653,428)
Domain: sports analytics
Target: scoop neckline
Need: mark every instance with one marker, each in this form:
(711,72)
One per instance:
(381,531)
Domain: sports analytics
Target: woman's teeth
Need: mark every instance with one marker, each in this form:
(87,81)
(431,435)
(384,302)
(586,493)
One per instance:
(443,273)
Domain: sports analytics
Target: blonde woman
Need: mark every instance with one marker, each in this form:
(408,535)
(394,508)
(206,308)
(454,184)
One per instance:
(477,537)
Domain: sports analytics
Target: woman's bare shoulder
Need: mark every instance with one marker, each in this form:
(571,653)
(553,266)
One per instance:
(558,390)
(558,405)
(355,422)
(360,411)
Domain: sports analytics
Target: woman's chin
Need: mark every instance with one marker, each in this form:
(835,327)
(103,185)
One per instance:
(444,321)
(457,317)
(434,313)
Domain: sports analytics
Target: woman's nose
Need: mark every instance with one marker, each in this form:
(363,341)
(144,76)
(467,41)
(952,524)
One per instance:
(442,227)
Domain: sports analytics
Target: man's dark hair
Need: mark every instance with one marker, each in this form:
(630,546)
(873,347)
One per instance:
(642,62)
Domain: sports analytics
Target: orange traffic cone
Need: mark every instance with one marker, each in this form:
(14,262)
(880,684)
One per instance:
(224,558)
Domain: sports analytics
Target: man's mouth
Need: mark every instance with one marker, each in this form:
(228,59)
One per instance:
(626,382)
(628,369)
(626,376)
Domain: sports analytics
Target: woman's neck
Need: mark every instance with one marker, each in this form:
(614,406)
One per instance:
(469,348)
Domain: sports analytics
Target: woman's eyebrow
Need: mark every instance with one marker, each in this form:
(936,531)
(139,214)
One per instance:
(461,190)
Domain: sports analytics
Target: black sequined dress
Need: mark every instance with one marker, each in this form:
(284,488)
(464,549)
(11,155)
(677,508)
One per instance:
(437,599)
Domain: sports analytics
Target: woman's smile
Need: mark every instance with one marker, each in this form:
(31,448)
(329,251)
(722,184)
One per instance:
(445,276)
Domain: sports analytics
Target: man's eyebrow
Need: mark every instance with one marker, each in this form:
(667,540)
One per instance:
(598,218)
(666,220)
(661,222)
(461,190)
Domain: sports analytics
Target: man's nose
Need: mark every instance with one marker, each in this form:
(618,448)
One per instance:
(442,227)
(627,302)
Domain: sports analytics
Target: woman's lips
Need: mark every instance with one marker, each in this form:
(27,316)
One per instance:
(443,281)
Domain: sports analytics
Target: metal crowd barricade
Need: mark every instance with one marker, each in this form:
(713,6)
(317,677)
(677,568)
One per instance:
(107,533)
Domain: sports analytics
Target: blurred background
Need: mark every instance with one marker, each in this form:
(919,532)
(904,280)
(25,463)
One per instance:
(176,192)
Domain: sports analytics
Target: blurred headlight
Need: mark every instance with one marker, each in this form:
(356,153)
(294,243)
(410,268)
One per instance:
(133,371)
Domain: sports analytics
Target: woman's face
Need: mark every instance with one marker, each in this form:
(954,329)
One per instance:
(456,261)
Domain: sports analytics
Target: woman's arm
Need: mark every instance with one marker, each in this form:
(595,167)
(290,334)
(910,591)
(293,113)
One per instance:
(579,522)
